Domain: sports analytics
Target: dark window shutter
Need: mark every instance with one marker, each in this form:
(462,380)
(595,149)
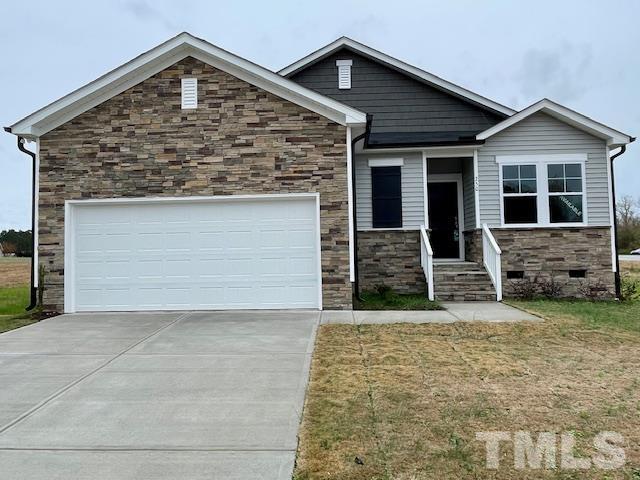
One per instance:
(386,196)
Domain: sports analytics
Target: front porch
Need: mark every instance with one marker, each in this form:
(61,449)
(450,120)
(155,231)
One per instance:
(438,201)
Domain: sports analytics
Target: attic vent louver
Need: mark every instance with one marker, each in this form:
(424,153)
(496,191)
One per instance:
(344,74)
(189,93)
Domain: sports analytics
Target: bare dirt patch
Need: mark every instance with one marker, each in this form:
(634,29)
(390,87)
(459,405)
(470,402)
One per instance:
(14,271)
(405,401)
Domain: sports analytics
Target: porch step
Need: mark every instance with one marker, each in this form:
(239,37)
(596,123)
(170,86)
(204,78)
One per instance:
(462,281)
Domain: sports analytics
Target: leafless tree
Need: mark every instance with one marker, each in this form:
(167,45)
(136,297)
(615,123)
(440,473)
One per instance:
(628,223)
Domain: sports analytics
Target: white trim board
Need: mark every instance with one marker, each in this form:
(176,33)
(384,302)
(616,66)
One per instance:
(551,158)
(386,162)
(69,228)
(396,64)
(165,55)
(566,115)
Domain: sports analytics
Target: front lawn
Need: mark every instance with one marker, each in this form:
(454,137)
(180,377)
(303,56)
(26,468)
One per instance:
(405,401)
(596,315)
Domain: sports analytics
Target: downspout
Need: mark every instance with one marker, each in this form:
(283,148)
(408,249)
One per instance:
(365,136)
(615,220)
(34,290)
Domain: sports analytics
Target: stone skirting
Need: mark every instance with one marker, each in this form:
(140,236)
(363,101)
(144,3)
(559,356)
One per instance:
(240,140)
(550,253)
(390,258)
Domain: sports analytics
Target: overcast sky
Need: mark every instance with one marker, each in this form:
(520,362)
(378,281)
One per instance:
(583,54)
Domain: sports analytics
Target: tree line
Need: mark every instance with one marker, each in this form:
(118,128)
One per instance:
(16,242)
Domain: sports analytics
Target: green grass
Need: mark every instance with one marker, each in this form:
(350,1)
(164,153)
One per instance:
(612,314)
(388,300)
(13,301)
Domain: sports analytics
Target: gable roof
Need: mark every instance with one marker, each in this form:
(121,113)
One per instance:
(162,57)
(613,137)
(417,73)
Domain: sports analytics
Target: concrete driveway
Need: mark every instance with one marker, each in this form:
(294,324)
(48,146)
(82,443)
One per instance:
(143,396)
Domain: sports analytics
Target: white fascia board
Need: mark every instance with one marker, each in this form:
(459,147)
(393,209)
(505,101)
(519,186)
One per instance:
(397,64)
(564,114)
(161,57)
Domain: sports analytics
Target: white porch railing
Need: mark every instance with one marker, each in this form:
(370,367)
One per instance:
(491,257)
(426,260)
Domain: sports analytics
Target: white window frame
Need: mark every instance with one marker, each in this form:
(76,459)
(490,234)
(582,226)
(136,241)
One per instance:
(542,182)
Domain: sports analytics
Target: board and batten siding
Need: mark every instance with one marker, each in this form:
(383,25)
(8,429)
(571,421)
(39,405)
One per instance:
(411,184)
(542,134)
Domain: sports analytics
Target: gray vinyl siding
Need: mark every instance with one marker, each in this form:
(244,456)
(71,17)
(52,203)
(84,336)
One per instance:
(412,190)
(468,196)
(538,135)
(398,102)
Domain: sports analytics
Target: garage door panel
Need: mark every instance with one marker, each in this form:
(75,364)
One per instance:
(219,254)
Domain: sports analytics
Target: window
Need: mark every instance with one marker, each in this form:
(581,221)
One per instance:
(520,194)
(344,74)
(543,190)
(515,274)
(565,192)
(189,93)
(386,197)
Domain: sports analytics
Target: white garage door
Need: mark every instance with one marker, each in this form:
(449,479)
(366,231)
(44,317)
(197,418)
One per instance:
(225,253)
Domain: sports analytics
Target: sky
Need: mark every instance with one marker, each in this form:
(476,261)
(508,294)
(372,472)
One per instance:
(582,54)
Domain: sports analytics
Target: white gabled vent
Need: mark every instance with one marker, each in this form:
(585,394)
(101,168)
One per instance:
(189,93)
(344,74)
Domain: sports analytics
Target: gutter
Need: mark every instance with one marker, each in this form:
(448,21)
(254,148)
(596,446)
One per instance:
(615,218)
(34,289)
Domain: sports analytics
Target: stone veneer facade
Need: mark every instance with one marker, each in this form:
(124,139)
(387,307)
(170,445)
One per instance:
(546,253)
(240,140)
(390,258)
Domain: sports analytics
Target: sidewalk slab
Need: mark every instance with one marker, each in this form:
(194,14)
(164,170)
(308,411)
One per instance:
(488,312)
(454,312)
(367,317)
(337,316)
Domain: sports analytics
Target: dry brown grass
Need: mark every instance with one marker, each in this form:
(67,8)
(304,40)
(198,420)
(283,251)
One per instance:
(630,268)
(406,400)
(14,271)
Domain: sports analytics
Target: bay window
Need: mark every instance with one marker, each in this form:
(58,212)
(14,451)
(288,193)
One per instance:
(542,190)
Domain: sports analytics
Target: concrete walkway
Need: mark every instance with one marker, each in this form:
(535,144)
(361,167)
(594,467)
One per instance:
(454,312)
(154,396)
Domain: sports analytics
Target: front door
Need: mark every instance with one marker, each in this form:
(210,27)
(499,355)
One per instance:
(443,219)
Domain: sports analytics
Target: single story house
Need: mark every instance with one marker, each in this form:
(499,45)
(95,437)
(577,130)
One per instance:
(192,178)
